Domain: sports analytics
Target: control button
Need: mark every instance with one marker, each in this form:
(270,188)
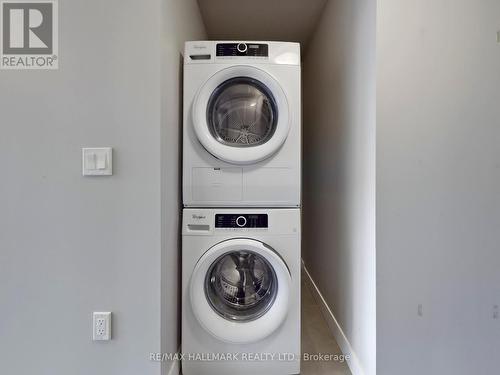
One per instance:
(241,221)
(241,47)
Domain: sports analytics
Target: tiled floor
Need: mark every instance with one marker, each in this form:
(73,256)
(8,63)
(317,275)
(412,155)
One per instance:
(317,338)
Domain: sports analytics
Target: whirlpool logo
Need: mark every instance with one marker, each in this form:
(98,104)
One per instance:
(29,34)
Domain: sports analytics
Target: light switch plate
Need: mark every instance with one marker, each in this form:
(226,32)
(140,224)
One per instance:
(97,161)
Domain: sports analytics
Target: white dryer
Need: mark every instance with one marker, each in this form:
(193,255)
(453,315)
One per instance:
(241,291)
(242,124)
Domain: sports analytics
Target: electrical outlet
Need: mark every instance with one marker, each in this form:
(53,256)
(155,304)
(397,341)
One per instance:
(101,326)
(496,312)
(420,310)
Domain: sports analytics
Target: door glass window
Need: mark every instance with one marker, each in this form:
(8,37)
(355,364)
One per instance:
(242,112)
(241,285)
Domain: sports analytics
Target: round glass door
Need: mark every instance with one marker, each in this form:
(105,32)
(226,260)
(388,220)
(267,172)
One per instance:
(239,290)
(241,115)
(242,112)
(241,286)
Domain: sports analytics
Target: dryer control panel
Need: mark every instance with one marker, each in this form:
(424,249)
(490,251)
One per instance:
(242,49)
(227,52)
(241,221)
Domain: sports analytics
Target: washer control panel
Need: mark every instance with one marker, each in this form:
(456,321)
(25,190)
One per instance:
(242,49)
(241,221)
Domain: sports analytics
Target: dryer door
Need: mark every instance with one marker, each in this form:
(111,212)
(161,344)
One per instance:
(239,290)
(240,115)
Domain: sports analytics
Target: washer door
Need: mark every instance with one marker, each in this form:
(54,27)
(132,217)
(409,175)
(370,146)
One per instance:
(240,115)
(240,290)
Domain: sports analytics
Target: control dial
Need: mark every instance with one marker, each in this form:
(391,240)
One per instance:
(241,221)
(241,47)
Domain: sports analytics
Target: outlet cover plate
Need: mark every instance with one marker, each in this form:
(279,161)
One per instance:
(101,326)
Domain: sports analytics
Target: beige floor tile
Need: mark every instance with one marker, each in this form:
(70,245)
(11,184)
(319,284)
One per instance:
(317,338)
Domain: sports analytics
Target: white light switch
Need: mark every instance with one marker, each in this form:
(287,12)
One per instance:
(97,161)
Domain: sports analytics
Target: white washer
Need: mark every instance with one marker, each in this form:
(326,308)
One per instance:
(242,124)
(241,291)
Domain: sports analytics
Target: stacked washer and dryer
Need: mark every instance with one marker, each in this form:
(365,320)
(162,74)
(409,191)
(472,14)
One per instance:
(241,216)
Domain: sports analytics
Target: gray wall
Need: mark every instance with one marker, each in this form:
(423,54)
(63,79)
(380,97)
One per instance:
(71,245)
(339,170)
(181,22)
(438,186)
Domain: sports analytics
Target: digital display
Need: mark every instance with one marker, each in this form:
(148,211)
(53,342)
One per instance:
(241,221)
(242,49)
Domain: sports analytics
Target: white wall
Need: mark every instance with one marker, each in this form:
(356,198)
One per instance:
(339,170)
(438,184)
(71,245)
(182,22)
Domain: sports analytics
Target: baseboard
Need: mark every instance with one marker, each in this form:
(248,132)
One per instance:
(175,367)
(333,324)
